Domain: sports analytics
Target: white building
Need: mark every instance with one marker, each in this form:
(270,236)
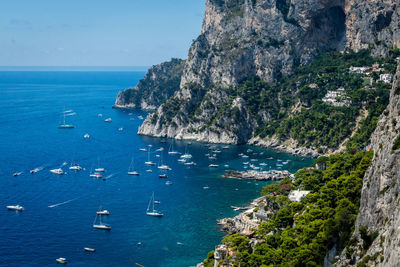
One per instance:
(386,78)
(336,98)
(358,69)
(297,195)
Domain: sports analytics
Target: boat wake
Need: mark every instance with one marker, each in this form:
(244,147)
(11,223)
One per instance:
(62,203)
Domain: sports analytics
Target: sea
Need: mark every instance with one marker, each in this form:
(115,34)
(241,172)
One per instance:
(60,210)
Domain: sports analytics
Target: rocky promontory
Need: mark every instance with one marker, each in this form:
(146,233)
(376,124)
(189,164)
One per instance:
(160,83)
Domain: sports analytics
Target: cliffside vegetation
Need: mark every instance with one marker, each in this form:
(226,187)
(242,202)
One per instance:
(159,84)
(301,233)
(292,107)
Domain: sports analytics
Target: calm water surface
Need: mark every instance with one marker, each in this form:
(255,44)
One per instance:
(31,104)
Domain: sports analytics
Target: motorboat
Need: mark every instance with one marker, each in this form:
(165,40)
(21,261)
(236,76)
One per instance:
(62,260)
(163,175)
(96,175)
(75,168)
(103,212)
(213,165)
(15,207)
(87,136)
(108,120)
(89,249)
(168,183)
(58,171)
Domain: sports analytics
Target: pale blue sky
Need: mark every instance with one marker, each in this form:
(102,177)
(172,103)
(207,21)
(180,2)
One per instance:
(97,32)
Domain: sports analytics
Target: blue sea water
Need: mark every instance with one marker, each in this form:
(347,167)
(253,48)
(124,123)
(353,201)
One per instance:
(31,104)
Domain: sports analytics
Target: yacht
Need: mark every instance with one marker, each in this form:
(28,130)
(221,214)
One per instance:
(171,151)
(89,249)
(149,170)
(149,162)
(153,212)
(58,171)
(189,163)
(163,175)
(108,120)
(213,165)
(182,160)
(99,169)
(62,260)
(143,149)
(131,170)
(87,136)
(160,149)
(16,207)
(100,225)
(225,147)
(64,125)
(168,183)
(96,175)
(103,212)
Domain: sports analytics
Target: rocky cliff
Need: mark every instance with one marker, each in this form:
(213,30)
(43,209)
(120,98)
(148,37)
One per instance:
(160,83)
(266,39)
(379,216)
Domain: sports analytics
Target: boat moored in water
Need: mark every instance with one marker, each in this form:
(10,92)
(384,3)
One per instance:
(89,249)
(62,260)
(15,207)
(58,171)
(103,212)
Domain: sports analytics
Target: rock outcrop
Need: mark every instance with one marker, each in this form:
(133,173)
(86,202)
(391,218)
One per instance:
(380,198)
(160,83)
(265,39)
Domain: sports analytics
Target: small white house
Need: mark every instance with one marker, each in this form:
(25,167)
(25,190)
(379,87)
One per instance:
(297,195)
(386,78)
(358,69)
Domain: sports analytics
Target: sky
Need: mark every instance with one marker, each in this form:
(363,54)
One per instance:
(97,32)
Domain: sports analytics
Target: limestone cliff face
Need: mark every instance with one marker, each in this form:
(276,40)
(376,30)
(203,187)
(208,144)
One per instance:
(160,83)
(374,24)
(265,39)
(380,198)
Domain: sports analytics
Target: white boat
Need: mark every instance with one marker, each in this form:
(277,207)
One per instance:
(245,156)
(103,212)
(58,171)
(149,170)
(99,115)
(108,120)
(131,170)
(99,169)
(157,202)
(246,163)
(160,149)
(120,129)
(164,167)
(96,175)
(189,163)
(171,150)
(182,160)
(35,170)
(163,175)
(152,212)
(87,136)
(143,149)
(168,183)
(213,165)
(100,225)
(74,167)
(16,173)
(186,156)
(225,147)
(140,117)
(149,162)
(15,207)
(62,260)
(89,249)
(205,187)
(64,125)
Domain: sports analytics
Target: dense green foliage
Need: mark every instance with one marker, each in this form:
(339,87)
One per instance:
(301,233)
(156,91)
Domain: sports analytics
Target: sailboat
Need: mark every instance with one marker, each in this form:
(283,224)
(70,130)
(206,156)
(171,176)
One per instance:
(153,212)
(131,170)
(149,162)
(171,151)
(98,169)
(100,225)
(95,174)
(186,155)
(64,125)
(162,166)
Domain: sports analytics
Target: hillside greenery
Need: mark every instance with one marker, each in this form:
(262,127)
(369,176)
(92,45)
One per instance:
(301,233)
